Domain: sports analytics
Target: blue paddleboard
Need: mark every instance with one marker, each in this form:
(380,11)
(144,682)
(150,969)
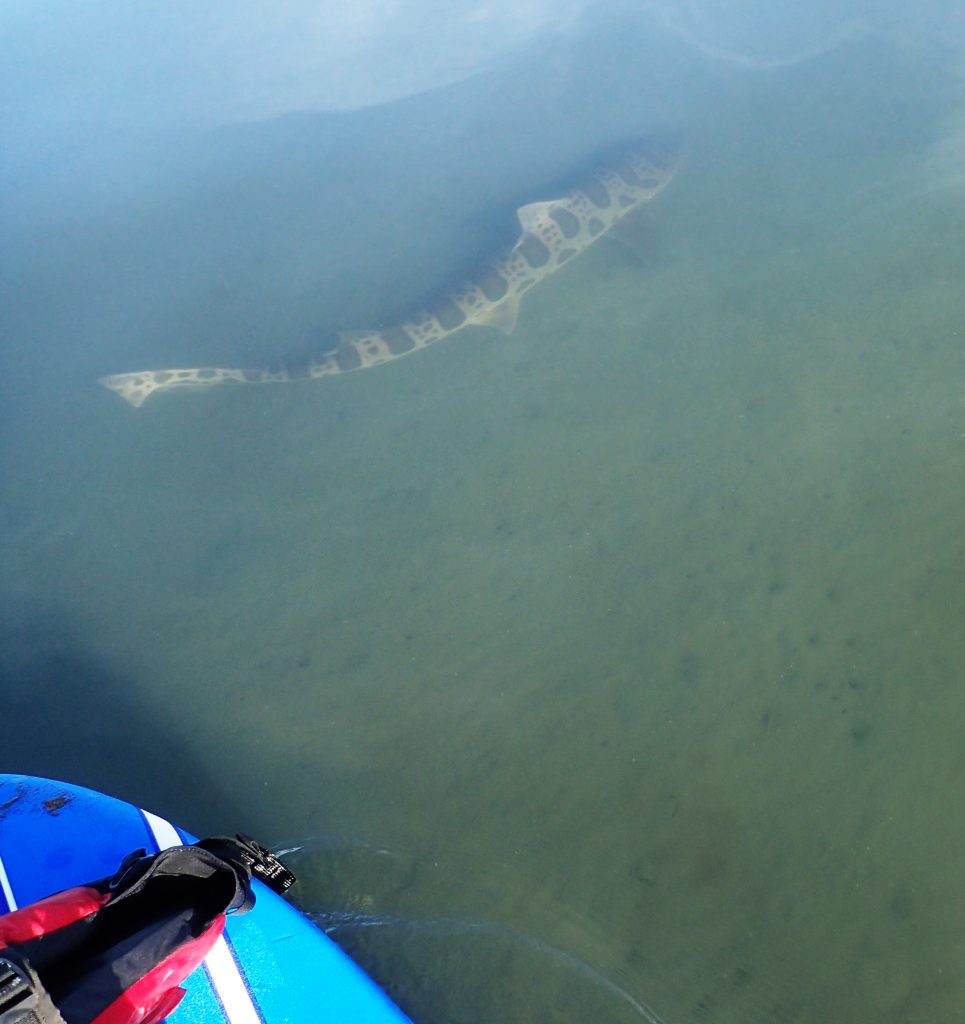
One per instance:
(272,966)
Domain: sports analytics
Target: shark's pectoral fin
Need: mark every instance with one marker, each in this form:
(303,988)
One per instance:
(532,215)
(502,315)
(635,235)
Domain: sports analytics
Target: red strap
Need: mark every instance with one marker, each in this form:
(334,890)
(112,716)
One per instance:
(165,1006)
(49,914)
(142,1000)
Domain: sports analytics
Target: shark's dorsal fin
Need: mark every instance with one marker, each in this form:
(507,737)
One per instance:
(530,215)
(502,315)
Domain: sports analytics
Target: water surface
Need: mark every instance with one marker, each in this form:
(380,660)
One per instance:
(631,640)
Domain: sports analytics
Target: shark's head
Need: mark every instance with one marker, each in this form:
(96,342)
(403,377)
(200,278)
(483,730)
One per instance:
(664,152)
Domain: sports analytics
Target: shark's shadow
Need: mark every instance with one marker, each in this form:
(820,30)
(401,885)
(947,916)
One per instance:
(69,717)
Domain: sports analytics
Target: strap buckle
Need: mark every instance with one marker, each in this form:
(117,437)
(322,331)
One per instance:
(264,865)
(23,998)
(252,858)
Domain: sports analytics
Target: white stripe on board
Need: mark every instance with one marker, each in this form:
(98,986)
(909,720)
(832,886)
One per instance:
(230,985)
(223,971)
(5,886)
(165,834)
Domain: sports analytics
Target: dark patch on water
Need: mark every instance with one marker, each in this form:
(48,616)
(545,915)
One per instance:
(90,727)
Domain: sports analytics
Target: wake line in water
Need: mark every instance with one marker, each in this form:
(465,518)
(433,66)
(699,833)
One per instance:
(332,923)
(843,34)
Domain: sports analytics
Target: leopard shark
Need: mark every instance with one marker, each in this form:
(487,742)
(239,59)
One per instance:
(552,232)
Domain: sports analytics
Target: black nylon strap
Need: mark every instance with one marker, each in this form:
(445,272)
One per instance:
(158,903)
(193,861)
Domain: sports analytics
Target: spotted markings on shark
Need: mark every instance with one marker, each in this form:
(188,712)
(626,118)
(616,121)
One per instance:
(552,233)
